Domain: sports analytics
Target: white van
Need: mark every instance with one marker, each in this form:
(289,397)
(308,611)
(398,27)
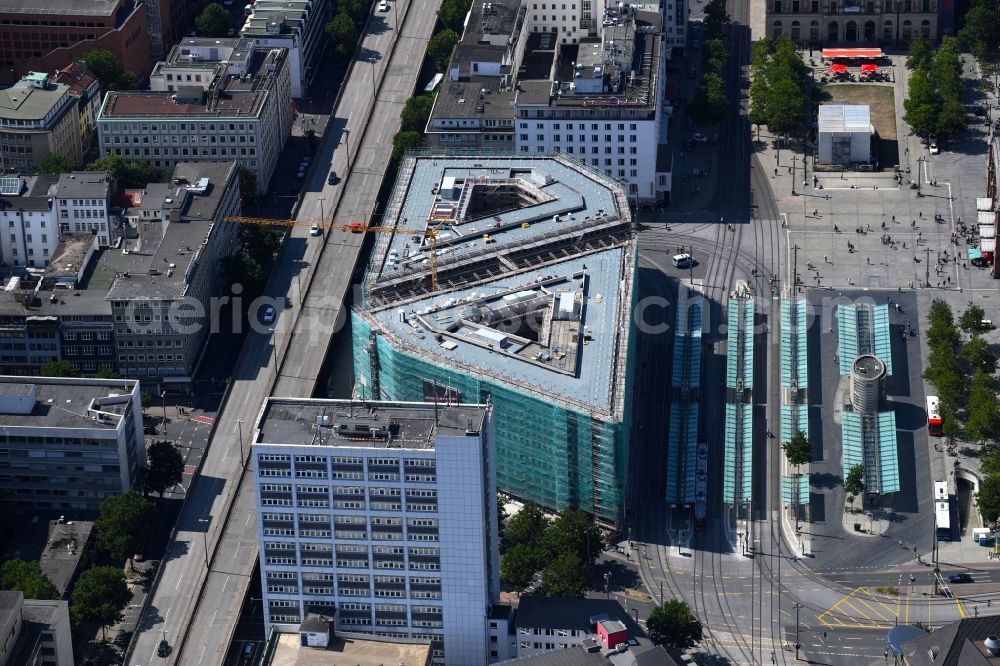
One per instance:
(683,260)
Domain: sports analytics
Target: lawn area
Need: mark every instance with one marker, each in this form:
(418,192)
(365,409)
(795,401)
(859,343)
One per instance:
(882,101)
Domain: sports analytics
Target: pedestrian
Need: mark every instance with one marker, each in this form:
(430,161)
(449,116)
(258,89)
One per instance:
(894,219)
(826,259)
(869,259)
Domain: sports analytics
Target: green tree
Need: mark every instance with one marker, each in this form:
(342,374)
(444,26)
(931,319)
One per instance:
(125,524)
(404,141)
(519,564)
(343,32)
(100,596)
(16,574)
(452,14)
(672,624)
(58,369)
(241,268)
(710,104)
(798,450)
(979,356)
(971,320)
(103,64)
(919,54)
(983,422)
(248,182)
(574,532)
(166,467)
(145,400)
(56,163)
(213,21)
(921,105)
(981,29)
(716,18)
(715,55)
(105,372)
(126,174)
(854,484)
(356,9)
(951,119)
(440,46)
(526,527)
(415,113)
(988,499)
(564,576)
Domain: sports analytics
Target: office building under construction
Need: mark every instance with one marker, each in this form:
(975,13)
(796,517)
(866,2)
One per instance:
(510,280)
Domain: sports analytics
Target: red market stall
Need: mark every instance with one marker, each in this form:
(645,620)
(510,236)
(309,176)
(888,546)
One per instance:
(869,68)
(852,53)
(837,68)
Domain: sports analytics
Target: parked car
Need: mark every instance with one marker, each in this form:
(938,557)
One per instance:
(383,6)
(248,651)
(231,32)
(960,578)
(268,314)
(333,178)
(934,148)
(314,230)
(163,649)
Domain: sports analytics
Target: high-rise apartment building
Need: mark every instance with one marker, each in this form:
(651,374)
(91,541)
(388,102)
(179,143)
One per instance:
(380,518)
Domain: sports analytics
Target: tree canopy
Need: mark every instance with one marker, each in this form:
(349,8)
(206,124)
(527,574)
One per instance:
(56,163)
(415,113)
(16,574)
(798,450)
(440,47)
(343,32)
(100,596)
(166,467)
(126,174)
(526,527)
(564,576)
(213,21)
(988,498)
(672,624)
(452,14)
(933,104)
(778,92)
(58,369)
(404,141)
(103,64)
(125,524)
(981,29)
(716,18)
(854,484)
(519,564)
(971,320)
(573,531)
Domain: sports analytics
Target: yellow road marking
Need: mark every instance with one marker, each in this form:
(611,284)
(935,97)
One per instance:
(850,609)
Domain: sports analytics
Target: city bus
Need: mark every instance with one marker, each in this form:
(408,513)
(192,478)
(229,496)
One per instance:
(942,511)
(933,416)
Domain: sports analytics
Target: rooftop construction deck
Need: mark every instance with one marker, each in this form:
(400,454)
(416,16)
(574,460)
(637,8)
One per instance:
(534,259)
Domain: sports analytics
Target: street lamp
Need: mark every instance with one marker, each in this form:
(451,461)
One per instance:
(797,643)
(274,350)
(163,403)
(793,173)
(373,80)
(239,426)
(347,140)
(322,220)
(204,536)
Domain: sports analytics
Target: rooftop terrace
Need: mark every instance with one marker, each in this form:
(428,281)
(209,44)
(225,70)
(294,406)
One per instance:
(39,402)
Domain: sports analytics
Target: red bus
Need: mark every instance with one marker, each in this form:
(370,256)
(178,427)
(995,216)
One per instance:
(933,416)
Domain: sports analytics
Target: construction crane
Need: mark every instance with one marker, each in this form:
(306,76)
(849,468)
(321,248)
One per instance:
(356,228)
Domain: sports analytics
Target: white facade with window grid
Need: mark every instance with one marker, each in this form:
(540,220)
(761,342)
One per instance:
(394,537)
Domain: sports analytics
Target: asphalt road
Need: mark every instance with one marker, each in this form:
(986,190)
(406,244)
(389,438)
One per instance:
(194,612)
